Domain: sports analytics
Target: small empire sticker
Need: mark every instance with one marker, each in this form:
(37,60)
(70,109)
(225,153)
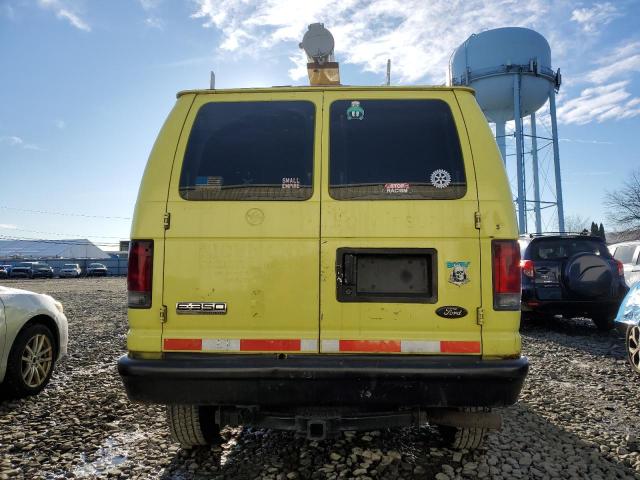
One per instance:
(290,182)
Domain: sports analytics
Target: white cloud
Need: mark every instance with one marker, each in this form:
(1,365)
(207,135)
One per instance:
(418,36)
(154,22)
(149,4)
(592,19)
(11,140)
(8,226)
(608,95)
(60,124)
(8,11)
(64,10)
(591,142)
(600,103)
(18,142)
(622,60)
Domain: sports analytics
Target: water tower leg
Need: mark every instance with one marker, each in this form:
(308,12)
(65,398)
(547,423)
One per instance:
(501,140)
(536,176)
(522,201)
(556,157)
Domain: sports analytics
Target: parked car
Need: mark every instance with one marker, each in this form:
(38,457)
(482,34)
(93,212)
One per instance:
(41,270)
(22,270)
(628,322)
(34,330)
(628,253)
(571,275)
(4,271)
(96,270)
(70,270)
(371,283)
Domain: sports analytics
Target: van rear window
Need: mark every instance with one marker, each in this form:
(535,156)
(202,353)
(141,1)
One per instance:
(394,149)
(250,151)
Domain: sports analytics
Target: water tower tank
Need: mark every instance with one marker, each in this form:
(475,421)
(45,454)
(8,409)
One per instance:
(486,62)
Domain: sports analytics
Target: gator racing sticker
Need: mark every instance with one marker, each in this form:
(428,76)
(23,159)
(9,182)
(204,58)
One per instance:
(458,273)
(396,187)
(355,111)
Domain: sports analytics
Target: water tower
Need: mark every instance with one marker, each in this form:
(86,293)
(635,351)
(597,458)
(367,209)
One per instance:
(510,69)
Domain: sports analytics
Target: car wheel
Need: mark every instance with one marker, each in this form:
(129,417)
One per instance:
(460,438)
(633,347)
(604,322)
(193,425)
(31,361)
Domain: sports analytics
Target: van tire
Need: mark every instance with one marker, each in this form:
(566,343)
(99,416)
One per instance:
(459,438)
(193,425)
(604,322)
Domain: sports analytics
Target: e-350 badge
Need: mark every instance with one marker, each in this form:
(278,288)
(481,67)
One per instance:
(201,308)
(458,273)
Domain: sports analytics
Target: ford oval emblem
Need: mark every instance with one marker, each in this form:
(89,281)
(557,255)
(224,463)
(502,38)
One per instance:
(451,311)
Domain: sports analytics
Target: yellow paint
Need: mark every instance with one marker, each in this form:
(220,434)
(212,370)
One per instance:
(273,262)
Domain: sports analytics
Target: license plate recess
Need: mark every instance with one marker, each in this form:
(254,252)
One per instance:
(386,275)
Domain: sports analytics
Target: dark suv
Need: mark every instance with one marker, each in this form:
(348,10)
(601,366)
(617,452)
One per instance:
(571,275)
(41,270)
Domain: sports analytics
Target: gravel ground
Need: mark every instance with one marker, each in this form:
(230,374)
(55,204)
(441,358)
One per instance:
(578,417)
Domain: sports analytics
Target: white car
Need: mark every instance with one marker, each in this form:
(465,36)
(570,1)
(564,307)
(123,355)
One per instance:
(70,270)
(33,337)
(628,253)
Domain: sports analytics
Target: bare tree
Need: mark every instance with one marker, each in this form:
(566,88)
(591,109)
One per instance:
(624,203)
(575,223)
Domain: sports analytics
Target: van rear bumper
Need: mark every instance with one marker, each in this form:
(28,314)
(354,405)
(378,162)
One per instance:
(367,382)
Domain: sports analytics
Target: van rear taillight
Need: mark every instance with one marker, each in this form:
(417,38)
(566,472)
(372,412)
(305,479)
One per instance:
(527,268)
(140,274)
(507,278)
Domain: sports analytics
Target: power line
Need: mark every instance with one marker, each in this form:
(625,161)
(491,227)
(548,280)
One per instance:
(80,235)
(47,212)
(60,242)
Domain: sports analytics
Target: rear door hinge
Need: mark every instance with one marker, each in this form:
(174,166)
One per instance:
(478,220)
(167,220)
(163,314)
(480,317)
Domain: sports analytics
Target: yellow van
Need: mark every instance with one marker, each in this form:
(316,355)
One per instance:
(321,259)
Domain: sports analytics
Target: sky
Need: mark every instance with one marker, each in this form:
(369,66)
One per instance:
(86,85)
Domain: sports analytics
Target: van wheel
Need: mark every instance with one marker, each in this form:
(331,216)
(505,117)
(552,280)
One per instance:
(463,438)
(604,322)
(193,425)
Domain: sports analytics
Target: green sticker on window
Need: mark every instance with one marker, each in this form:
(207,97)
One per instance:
(355,111)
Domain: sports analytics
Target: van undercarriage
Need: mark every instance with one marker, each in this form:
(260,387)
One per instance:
(319,396)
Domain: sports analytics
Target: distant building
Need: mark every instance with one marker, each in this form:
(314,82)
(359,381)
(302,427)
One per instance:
(50,249)
(57,253)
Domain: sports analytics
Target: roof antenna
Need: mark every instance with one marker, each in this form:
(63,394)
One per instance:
(212,81)
(388,71)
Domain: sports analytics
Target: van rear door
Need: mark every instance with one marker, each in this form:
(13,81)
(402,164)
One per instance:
(400,252)
(241,260)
